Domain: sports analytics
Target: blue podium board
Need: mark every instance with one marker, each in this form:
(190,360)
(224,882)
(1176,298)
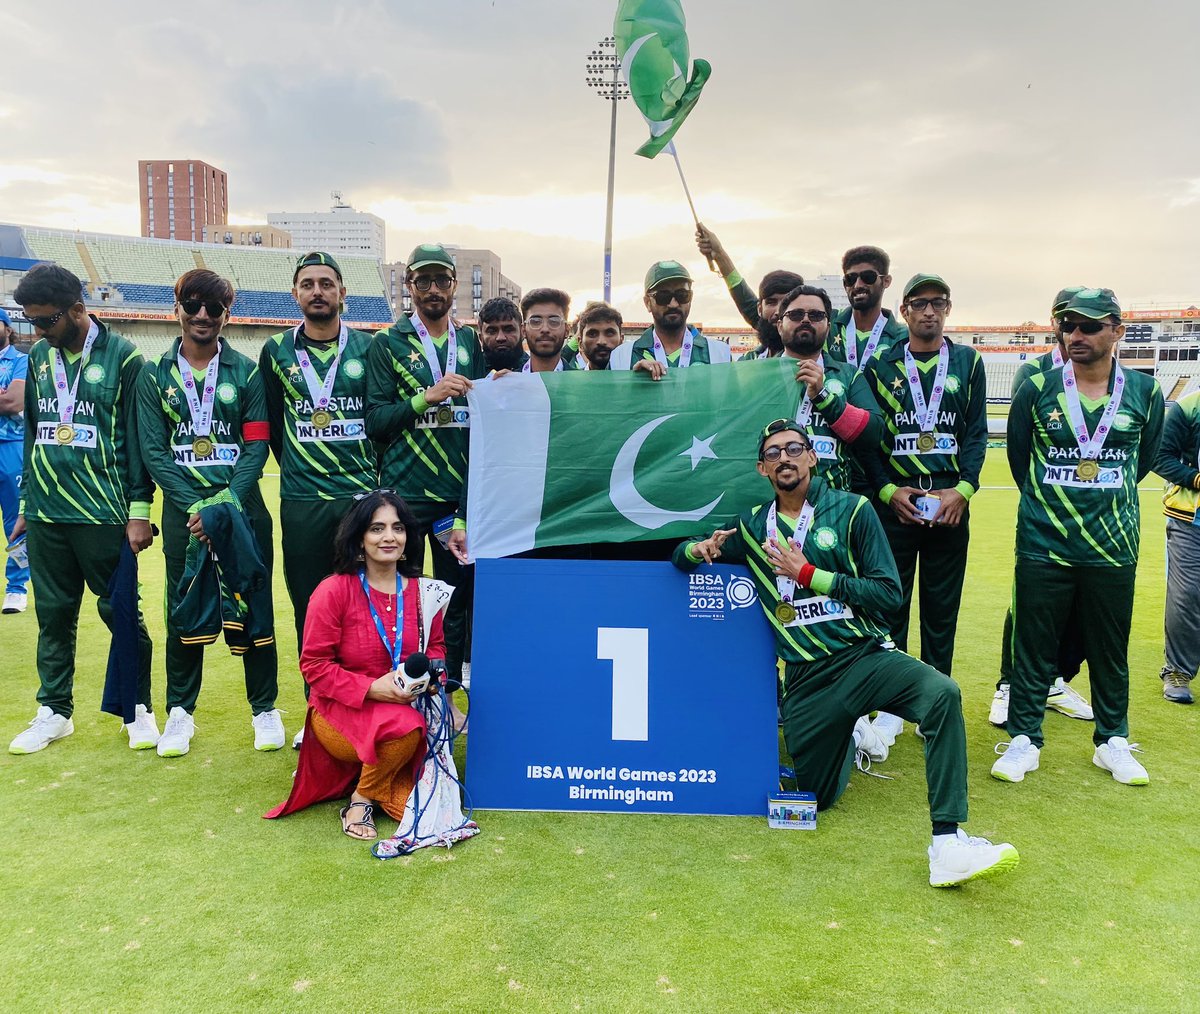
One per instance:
(626,687)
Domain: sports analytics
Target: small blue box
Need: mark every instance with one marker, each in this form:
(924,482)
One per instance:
(794,810)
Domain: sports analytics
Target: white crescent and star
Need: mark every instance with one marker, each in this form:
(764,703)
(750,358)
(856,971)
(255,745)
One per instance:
(624,493)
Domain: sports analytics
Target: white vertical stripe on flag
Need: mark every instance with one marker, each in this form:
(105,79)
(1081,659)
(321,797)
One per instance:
(510,441)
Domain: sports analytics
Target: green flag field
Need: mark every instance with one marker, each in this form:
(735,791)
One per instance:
(136,883)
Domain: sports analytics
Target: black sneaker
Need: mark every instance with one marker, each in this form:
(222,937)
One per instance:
(1175,687)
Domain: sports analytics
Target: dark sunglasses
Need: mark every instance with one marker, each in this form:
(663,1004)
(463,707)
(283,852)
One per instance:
(796,316)
(214,307)
(793,449)
(46,323)
(939,303)
(423,283)
(363,496)
(1085,326)
(663,297)
(867,277)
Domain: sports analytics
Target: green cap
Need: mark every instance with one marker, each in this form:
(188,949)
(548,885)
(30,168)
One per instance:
(428,254)
(665,271)
(316,257)
(919,281)
(1094,303)
(779,426)
(1063,298)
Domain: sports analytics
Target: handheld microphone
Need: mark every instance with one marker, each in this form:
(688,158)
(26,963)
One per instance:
(415,677)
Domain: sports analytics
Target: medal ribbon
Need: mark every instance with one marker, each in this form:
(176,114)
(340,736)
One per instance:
(872,341)
(787,585)
(557,369)
(66,399)
(431,356)
(1056,357)
(1090,446)
(393,647)
(804,409)
(927,414)
(685,350)
(319,393)
(201,407)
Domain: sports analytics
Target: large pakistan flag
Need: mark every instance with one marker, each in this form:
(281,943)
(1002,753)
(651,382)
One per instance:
(576,458)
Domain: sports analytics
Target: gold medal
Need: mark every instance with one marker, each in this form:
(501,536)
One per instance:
(1087,470)
(64,433)
(445,415)
(202,447)
(926,442)
(321,419)
(785,612)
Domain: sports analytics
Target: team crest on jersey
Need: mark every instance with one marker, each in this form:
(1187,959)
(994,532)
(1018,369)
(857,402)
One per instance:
(227,393)
(826,538)
(1123,421)
(836,387)
(1054,420)
(953,384)
(94,374)
(353,368)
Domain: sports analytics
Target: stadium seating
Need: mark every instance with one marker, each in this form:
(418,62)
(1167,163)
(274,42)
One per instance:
(58,247)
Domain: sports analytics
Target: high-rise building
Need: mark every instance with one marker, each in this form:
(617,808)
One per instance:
(180,197)
(479,279)
(833,285)
(341,229)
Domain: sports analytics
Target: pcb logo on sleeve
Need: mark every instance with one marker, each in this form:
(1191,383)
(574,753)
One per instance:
(712,595)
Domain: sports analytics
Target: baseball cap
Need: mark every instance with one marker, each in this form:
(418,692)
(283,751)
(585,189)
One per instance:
(428,254)
(1094,303)
(919,281)
(316,257)
(1063,298)
(4,318)
(665,271)
(779,426)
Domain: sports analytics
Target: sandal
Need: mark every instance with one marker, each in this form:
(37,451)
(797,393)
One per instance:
(366,822)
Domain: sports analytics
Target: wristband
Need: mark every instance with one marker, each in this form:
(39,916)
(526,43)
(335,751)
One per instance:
(806,575)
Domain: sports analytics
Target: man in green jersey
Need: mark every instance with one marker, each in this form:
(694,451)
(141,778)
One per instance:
(1062,697)
(85,490)
(418,374)
(826,582)
(501,334)
(670,343)
(599,330)
(202,419)
(314,379)
(933,394)
(1079,441)
(1178,463)
(546,313)
(865,328)
(759,311)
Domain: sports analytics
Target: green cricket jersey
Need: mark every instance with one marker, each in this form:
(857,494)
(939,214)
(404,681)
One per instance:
(1178,458)
(960,430)
(99,478)
(704,350)
(166,429)
(855,585)
(1042,364)
(423,459)
(844,385)
(329,463)
(894,331)
(1063,518)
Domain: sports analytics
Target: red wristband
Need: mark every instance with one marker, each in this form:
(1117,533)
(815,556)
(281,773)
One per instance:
(806,575)
(256,431)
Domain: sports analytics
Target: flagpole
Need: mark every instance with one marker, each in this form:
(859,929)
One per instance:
(688,194)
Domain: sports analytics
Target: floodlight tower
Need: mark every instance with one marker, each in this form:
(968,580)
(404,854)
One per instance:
(604,78)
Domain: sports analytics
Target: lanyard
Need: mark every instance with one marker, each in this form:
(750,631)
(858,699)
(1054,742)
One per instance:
(201,406)
(872,341)
(787,585)
(927,414)
(319,393)
(66,399)
(394,648)
(685,350)
(431,356)
(804,409)
(557,369)
(1091,445)
(1056,357)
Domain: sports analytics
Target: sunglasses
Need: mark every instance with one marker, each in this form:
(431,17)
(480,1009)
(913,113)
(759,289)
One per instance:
(214,307)
(793,449)
(554,320)
(423,283)
(1085,326)
(796,316)
(867,277)
(663,297)
(939,303)
(46,323)
(363,496)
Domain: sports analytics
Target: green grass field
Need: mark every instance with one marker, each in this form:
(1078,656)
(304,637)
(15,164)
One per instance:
(137,883)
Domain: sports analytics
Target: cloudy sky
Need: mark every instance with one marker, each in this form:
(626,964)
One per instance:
(1012,147)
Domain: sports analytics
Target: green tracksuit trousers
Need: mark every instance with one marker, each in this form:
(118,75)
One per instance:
(823,700)
(1044,596)
(62,559)
(456,623)
(185,662)
(308,528)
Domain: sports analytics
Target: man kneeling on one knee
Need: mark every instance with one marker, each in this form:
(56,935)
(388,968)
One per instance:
(825,578)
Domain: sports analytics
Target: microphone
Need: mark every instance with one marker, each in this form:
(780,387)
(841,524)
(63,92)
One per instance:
(415,677)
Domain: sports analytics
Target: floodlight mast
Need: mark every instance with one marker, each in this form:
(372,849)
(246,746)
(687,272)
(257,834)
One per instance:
(604,78)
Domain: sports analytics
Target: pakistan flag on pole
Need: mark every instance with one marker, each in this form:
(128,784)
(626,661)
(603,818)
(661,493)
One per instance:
(571,459)
(652,45)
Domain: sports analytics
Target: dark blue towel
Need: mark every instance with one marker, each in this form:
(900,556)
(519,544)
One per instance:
(121,679)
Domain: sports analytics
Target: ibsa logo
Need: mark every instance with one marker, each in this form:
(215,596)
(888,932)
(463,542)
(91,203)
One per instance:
(712,596)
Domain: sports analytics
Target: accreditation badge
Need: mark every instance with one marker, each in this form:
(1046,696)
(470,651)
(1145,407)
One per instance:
(926,442)
(1087,469)
(785,612)
(64,433)
(321,419)
(202,447)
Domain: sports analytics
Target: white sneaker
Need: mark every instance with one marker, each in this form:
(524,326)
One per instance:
(268,730)
(176,738)
(46,727)
(1067,702)
(298,739)
(143,730)
(1117,756)
(1016,758)
(998,716)
(955,859)
(466,675)
(868,741)
(15,602)
(888,726)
